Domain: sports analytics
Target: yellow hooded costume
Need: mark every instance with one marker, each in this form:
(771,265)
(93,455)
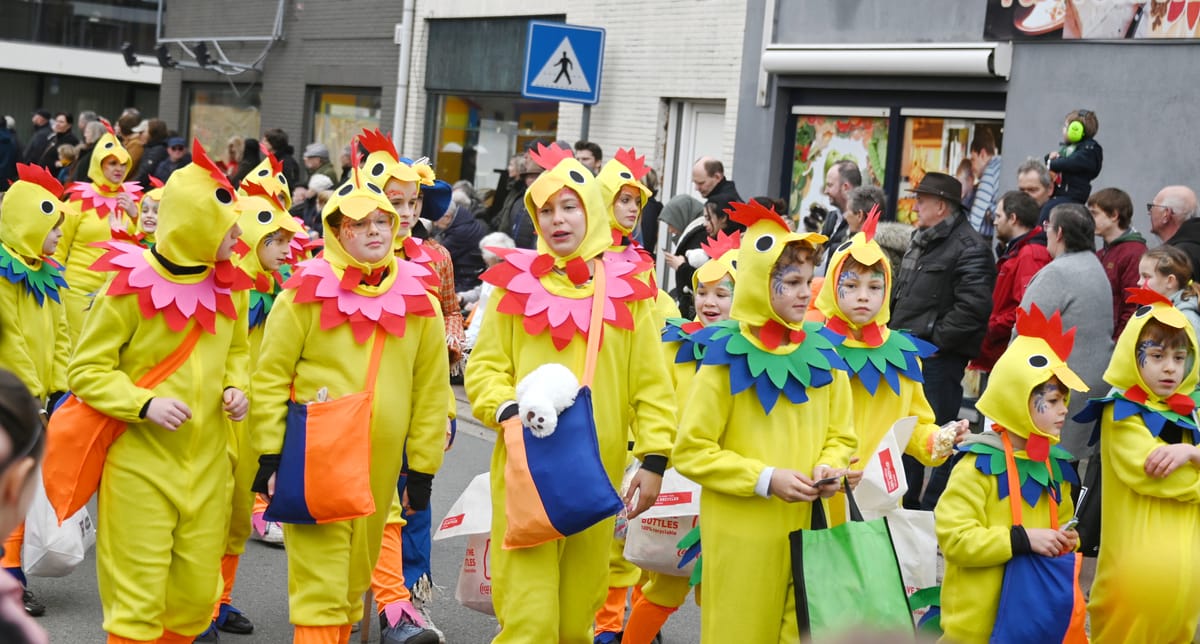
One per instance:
(261,216)
(319,336)
(974,514)
(540,313)
(33,326)
(143,237)
(738,425)
(884,365)
(164,495)
(93,215)
(1147,585)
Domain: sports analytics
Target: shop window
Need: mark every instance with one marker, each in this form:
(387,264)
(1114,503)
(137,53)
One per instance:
(476,135)
(825,136)
(340,114)
(217,113)
(940,142)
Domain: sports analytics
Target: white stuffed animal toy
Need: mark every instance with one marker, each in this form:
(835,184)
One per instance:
(543,395)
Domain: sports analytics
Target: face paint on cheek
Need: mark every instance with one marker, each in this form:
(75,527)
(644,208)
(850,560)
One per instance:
(844,277)
(780,275)
(1143,350)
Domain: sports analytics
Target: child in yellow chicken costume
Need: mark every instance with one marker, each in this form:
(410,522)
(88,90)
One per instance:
(264,250)
(33,333)
(713,284)
(767,417)
(540,314)
(147,217)
(1147,585)
(1026,399)
(99,211)
(625,196)
(884,365)
(165,490)
(317,343)
(404,182)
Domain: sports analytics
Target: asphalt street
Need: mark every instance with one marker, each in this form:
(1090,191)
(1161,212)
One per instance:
(73,612)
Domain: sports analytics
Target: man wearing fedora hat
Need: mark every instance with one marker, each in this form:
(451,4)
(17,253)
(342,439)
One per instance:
(943,295)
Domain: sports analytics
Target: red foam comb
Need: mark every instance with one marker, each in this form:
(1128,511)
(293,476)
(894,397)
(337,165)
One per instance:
(262,147)
(629,159)
(1035,324)
(550,156)
(39,175)
(751,213)
(276,163)
(868,227)
(108,126)
(201,158)
(376,141)
(156,182)
(722,244)
(255,189)
(1140,295)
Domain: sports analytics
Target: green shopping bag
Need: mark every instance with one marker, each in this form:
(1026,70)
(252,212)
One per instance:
(847,576)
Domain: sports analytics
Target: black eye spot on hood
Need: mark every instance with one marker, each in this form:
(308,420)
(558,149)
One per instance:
(377,169)
(224,196)
(1038,361)
(265,217)
(626,175)
(764,243)
(1142,311)
(264,172)
(346,189)
(844,247)
(576,177)
(48,207)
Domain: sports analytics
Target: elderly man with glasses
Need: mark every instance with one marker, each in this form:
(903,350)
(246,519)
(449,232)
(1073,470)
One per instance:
(1173,219)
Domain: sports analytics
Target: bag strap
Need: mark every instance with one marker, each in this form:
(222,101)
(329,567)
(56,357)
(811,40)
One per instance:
(170,364)
(1014,491)
(376,357)
(596,328)
(820,522)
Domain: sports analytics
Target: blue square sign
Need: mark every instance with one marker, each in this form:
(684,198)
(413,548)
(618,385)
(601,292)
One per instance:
(563,62)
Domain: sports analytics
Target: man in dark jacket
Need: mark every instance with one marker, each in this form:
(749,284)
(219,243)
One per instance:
(1173,219)
(41,134)
(60,134)
(708,175)
(276,141)
(943,295)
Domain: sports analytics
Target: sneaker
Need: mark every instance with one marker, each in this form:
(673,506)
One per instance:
(265,531)
(423,609)
(32,605)
(232,620)
(404,631)
(210,634)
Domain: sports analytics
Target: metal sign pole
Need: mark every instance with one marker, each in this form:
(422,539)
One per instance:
(587,121)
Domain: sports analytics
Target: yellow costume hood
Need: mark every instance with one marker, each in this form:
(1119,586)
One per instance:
(723,253)
(260,217)
(356,200)
(563,171)
(30,210)
(108,145)
(197,209)
(1039,352)
(1123,371)
(866,251)
(624,169)
(267,180)
(763,242)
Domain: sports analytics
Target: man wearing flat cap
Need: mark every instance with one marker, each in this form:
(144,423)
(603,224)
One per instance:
(943,295)
(316,160)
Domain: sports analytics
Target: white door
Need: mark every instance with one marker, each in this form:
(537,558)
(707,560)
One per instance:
(695,129)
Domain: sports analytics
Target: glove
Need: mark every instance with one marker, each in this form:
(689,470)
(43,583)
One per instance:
(268,465)
(419,488)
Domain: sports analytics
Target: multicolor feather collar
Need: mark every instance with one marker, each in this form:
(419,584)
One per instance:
(42,282)
(898,354)
(1034,477)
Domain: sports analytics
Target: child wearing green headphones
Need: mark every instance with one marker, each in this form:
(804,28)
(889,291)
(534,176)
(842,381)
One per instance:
(1077,162)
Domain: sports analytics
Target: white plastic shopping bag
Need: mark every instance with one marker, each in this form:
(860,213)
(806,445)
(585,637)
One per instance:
(471,516)
(883,484)
(474,589)
(915,543)
(652,542)
(50,549)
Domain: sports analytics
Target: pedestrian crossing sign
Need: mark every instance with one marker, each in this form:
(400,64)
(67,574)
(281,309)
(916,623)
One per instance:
(563,62)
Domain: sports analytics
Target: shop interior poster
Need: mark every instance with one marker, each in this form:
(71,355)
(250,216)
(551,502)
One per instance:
(938,145)
(822,141)
(1091,19)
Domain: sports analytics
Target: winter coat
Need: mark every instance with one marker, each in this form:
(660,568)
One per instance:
(1187,239)
(152,154)
(946,300)
(461,239)
(1074,285)
(1024,257)
(1076,170)
(1120,260)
